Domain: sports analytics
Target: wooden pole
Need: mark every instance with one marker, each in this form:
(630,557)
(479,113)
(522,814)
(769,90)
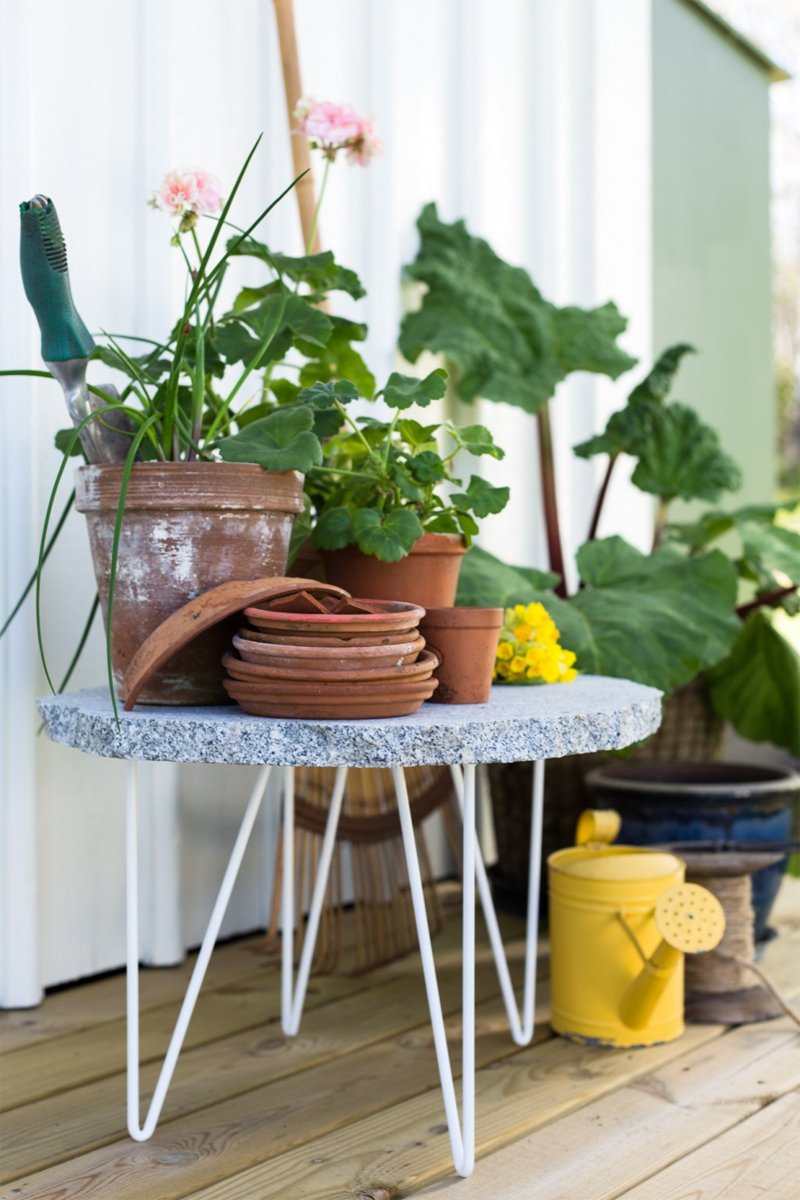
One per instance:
(301,152)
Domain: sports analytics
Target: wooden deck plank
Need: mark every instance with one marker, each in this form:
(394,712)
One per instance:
(403,1148)
(355,1112)
(71,1122)
(759,1158)
(639,1130)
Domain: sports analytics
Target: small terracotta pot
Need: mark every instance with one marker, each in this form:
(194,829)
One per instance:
(186,528)
(466,641)
(427,576)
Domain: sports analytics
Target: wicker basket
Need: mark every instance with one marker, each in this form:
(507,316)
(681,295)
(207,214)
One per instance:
(690,731)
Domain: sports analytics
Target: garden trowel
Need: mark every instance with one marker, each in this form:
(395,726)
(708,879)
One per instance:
(66,342)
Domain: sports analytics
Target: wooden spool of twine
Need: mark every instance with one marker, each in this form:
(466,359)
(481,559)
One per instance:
(720,985)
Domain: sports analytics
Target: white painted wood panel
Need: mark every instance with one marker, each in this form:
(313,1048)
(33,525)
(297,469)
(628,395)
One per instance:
(518,117)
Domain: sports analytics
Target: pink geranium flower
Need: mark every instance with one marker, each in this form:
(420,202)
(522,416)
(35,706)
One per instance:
(334,127)
(185,192)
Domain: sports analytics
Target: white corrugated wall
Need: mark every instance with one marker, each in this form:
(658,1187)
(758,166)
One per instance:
(530,119)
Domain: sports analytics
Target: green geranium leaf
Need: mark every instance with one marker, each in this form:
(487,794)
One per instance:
(324,395)
(235,342)
(283,441)
(62,440)
(387,536)
(248,296)
(327,422)
(476,439)
(426,467)
(284,391)
(320,272)
(481,498)
(334,529)
(510,344)
(660,618)
(487,582)
(757,687)
(406,484)
(467,524)
(414,434)
(443,522)
(339,360)
(292,312)
(683,457)
(402,391)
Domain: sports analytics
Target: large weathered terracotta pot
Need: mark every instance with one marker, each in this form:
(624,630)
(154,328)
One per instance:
(186,528)
(427,576)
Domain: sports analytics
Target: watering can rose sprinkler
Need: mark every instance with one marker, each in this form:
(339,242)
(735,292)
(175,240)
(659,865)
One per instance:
(66,342)
(621,921)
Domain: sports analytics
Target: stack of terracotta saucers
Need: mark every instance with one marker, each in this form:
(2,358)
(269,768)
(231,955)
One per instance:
(318,655)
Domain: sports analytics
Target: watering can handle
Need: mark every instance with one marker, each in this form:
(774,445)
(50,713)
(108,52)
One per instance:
(597,826)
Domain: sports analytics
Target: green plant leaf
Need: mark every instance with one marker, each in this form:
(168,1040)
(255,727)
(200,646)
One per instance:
(771,553)
(757,687)
(426,467)
(657,384)
(235,342)
(510,344)
(333,529)
(402,391)
(443,522)
(476,439)
(416,435)
(63,441)
(325,395)
(482,498)
(387,536)
(410,490)
(683,457)
(487,582)
(283,441)
(299,315)
(320,272)
(339,360)
(658,619)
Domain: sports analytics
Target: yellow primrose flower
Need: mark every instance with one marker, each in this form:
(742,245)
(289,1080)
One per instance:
(505,650)
(517,665)
(518,611)
(523,633)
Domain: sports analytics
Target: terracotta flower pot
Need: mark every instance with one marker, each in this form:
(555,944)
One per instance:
(466,641)
(186,528)
(427,576)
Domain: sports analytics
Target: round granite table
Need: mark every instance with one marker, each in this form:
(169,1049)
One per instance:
(518,724)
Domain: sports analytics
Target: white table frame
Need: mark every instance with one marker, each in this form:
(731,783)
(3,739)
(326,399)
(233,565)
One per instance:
(461,1127)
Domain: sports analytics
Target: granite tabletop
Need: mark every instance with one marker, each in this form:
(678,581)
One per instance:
(518,724)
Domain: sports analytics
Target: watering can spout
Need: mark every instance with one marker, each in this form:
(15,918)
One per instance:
(690,920)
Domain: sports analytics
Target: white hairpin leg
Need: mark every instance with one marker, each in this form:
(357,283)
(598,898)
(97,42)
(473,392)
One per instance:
(462,1132)
(292,999)
(520,1024)
(142,1132)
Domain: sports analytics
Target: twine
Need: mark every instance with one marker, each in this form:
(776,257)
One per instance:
(729,967)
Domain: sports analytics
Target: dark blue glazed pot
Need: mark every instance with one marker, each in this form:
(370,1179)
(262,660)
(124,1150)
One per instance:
(697,802)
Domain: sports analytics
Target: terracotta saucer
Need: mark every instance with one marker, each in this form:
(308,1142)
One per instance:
(328,658)
(391,616)
(423,668)
(321,639)
(201,613)
(273,690)
(323,710)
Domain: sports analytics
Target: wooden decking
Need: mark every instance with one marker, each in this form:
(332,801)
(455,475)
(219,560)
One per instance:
(351,1108)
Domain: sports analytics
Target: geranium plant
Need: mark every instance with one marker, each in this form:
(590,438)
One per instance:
(688,607)
(383,483)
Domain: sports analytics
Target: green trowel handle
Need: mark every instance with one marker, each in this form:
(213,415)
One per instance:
(43,259)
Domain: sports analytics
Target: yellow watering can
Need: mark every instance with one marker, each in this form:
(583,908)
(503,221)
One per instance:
(621,920)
